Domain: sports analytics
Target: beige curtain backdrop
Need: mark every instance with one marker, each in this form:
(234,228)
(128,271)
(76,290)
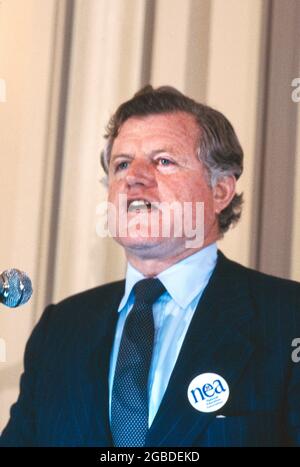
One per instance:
(64,67)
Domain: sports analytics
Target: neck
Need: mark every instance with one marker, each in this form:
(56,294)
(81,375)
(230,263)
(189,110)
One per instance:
(151,267)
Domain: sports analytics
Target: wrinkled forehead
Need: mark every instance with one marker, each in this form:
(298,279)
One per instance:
(178,129)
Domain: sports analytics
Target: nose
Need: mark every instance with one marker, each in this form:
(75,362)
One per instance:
(140,172)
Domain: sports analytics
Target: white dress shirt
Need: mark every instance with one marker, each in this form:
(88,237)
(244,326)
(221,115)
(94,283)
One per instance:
(185,282)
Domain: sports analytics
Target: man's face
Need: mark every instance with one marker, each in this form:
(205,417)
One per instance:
(154,160)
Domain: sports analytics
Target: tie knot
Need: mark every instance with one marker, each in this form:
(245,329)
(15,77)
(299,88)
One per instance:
(148,290)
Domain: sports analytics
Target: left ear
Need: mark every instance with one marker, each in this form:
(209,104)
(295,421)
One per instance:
(223,192)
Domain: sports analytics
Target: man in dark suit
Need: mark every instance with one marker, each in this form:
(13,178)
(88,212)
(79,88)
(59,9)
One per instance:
(192,349)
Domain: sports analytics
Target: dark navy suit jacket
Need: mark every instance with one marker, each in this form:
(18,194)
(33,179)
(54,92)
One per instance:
(243,330)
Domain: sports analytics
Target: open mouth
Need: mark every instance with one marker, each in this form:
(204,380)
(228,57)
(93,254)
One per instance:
(138,205)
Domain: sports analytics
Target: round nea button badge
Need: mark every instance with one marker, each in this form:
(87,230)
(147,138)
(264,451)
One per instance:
(208,392)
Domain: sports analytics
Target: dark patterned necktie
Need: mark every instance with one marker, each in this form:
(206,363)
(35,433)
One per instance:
(129,403)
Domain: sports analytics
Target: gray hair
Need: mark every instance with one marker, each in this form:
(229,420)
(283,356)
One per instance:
(219,148)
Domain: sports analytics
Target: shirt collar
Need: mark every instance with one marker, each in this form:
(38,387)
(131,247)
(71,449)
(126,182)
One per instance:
(183,281)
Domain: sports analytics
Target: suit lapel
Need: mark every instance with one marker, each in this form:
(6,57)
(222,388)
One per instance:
(91,384)
(216,342)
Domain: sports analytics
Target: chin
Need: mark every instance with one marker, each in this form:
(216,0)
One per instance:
(152,248)
(140,242)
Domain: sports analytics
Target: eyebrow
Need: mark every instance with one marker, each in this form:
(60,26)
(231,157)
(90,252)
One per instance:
(151,154)
(117,156)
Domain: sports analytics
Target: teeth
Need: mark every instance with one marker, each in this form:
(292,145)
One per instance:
(139,204)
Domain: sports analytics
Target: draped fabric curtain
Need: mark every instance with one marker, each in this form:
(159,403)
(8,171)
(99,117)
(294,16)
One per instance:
(64,67)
